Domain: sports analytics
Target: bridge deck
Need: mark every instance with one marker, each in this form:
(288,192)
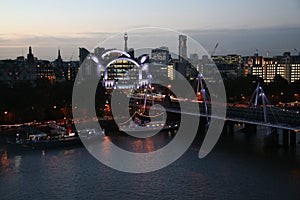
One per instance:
(276,117)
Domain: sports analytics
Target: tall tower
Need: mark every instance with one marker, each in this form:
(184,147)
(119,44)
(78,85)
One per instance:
(59,56)
(59,61)
(30,56)
(182,48)
(125,40)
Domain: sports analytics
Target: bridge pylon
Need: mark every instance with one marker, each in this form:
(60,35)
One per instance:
(201,91)
(260,99)
(257,95)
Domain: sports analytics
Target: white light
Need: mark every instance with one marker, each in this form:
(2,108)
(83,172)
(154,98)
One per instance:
(143,59)
(145,67)
(95,59)
(115,51)
(72,134)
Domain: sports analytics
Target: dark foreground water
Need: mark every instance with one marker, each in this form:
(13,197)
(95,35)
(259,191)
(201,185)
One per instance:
(238,168)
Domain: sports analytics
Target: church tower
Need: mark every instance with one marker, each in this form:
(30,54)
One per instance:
(30,57)
(59,60)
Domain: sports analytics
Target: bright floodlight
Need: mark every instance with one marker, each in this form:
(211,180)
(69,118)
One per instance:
(115,51)
(143,59)
(95,59)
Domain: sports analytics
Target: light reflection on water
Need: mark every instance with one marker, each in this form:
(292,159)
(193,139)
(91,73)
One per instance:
(238,168)
(4,162)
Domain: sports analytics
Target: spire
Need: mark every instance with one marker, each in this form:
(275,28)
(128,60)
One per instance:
(59,56)
(30,57)
(59,61)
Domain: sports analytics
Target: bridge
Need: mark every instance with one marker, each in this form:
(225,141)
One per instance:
(288,121)
(277,117)
(258,112)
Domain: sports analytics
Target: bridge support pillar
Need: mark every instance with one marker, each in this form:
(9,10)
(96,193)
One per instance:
(285,138)
(224,130)
(230,128)
(274,131)
(250,128)
(292,139)
(272,139)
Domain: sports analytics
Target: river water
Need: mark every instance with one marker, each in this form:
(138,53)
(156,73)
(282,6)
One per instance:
(237,168)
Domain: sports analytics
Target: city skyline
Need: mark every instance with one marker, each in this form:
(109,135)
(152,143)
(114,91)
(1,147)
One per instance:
(238,27)
(196,99)
(71,53)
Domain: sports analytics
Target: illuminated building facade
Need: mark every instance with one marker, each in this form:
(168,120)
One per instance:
(287,66)
(124,73)
(70,70)
(171,74)
(230,66)
(44,70)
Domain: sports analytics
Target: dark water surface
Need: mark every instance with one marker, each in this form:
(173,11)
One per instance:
(238,168)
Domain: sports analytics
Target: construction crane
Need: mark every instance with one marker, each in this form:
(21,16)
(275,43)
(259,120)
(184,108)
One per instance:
(214,50)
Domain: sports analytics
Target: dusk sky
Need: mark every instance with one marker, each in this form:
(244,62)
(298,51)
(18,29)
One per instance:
(239,26)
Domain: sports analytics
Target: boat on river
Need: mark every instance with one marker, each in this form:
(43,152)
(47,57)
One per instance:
(30,138)
(46,143)
(141,125)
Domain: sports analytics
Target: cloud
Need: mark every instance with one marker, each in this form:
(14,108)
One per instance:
(245,41)
(46,46)
(240,41)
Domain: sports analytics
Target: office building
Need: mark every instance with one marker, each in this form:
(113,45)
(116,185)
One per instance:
(287,66)
(182,55)
(160,55)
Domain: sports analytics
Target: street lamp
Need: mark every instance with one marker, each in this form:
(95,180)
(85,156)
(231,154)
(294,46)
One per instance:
(5,116)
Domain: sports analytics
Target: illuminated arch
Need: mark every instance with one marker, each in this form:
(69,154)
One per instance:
(141,67)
